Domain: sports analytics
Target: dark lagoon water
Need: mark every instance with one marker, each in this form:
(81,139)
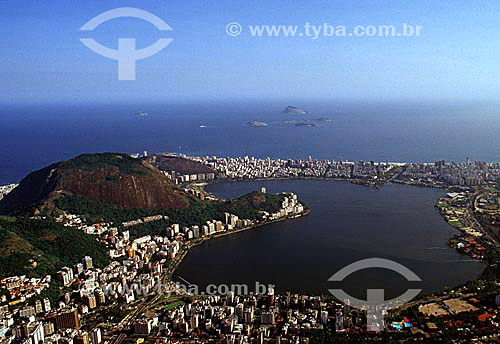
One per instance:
(347,223)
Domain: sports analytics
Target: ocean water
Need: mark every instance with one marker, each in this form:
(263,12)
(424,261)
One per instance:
(33,136)
(347,223)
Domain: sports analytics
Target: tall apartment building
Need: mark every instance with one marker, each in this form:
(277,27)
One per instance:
(68,319)
(87,262)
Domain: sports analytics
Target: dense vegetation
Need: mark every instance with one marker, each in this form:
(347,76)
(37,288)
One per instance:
(47,243)
(88,162)
(245,207)
(100,211)
(249,205)
(37,247)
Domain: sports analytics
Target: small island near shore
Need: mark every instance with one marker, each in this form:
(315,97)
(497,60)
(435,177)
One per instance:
(256,124)
(306,125)
(293,110)
(323,119)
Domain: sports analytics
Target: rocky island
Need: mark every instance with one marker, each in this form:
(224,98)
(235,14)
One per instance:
(256,124)
(293,110)
(323,119)
(305,125)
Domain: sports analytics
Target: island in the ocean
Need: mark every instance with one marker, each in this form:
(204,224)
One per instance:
(323,119)
(305,124)
(293,110)
(316,122)
(256,124)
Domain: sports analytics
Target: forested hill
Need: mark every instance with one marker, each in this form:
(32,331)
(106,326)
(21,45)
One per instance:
(37,247)
(113,178)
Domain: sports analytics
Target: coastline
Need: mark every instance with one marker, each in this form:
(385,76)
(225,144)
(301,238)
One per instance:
(357,181)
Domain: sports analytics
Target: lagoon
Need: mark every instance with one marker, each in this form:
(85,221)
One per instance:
(347,223)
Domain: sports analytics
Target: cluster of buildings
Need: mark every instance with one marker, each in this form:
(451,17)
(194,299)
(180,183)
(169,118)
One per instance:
(31,319)
(260,318)
(144,220)
(101,228)
(295,318)
(27,318)
(138,265)
(468,314)
(454,173)
(86,288)
(193,177)
(5,189)
(59,327)
(75,221)
(290,207)
(181,171)
(459,210)
(181,178)
(255,168)
(439,173)
(454,208)
(20,289)
(37,321)
(469,246)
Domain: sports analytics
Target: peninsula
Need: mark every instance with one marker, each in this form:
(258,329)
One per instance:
(104,233)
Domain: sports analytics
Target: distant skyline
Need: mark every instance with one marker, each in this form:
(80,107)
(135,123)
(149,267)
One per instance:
(455,58)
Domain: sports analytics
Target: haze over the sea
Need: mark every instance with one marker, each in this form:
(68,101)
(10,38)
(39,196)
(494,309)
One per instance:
(35,136)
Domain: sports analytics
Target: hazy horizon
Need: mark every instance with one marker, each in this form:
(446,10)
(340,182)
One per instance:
(453,59)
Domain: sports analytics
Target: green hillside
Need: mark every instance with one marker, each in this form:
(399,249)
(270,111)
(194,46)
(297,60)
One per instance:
(247,206)
(47,243)
(89,162)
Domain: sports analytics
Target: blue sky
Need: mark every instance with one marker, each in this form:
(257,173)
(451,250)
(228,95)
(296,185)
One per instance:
(456,57)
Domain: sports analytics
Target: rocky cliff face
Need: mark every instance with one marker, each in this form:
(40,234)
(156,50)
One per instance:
(106,177)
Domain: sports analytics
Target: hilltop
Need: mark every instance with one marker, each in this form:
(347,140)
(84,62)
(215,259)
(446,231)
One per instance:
(112,178)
